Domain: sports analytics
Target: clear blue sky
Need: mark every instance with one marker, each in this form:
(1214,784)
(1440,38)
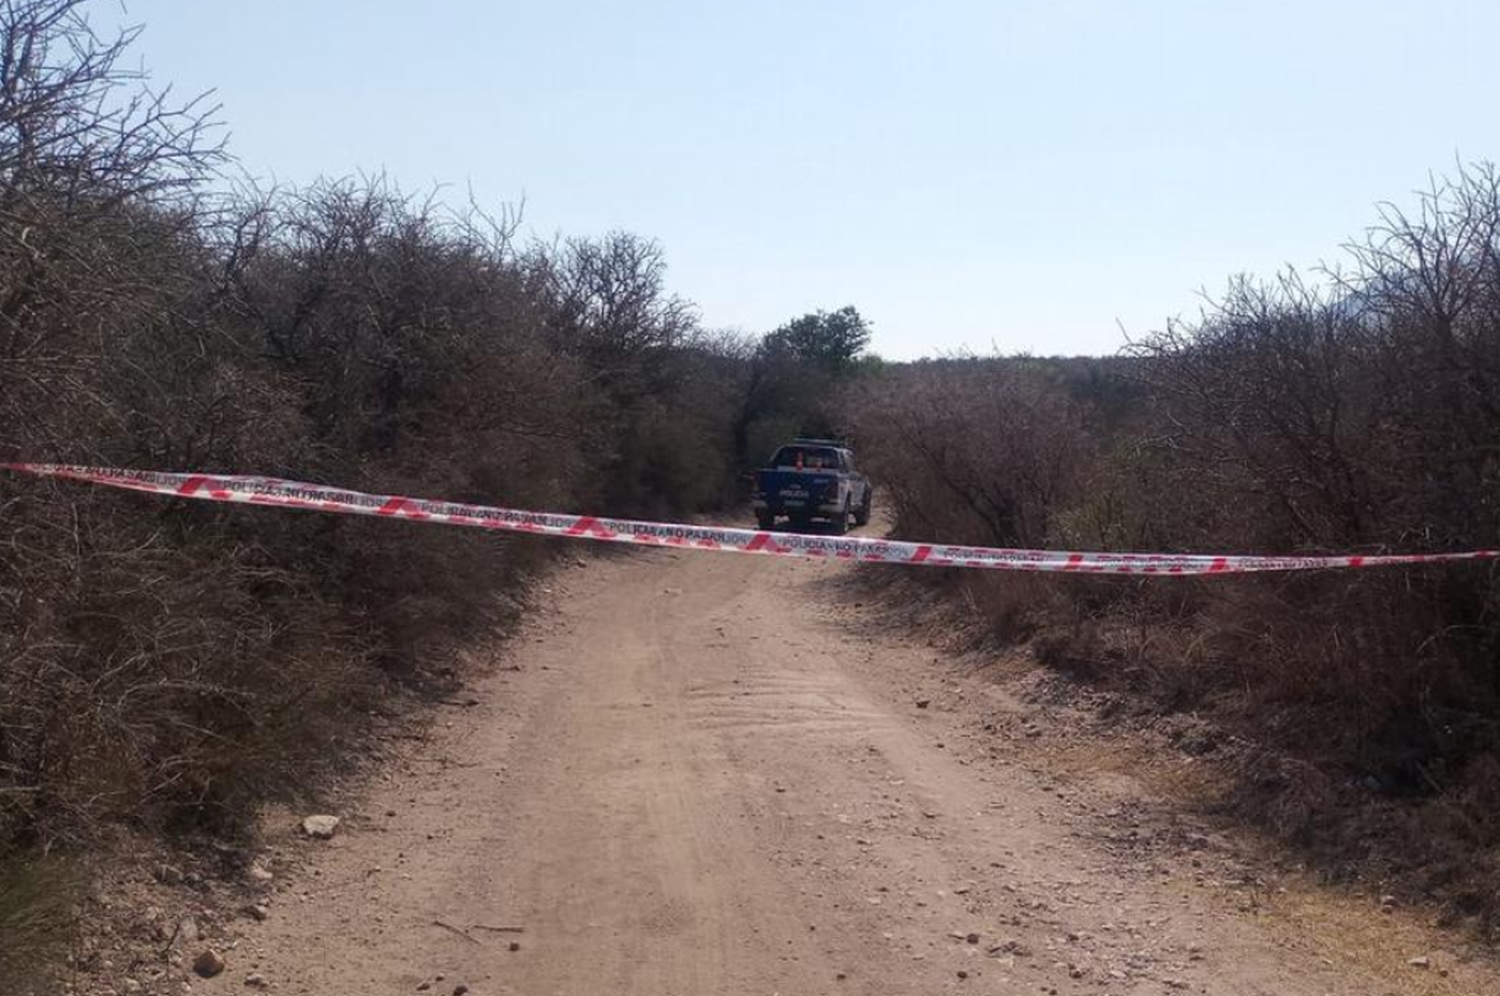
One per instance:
(1018,174)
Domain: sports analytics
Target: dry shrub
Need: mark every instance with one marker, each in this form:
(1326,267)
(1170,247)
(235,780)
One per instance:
(1012,606)
(970,451)
(1080,649)
(175,663)
(158,675)
(1357,413)
(974,452)
(171,665)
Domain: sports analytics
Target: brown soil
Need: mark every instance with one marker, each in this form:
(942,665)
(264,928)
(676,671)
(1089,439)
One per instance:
(703,774)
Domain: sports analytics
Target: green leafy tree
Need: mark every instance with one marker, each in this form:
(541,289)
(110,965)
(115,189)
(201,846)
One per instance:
(831,341)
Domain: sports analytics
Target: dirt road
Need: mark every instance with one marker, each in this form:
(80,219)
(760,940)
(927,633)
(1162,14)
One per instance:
(694,775)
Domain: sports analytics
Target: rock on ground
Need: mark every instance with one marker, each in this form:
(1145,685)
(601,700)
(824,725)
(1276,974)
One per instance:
(208,963)
(320,827)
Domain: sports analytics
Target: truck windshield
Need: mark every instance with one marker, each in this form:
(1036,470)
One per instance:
(806,458)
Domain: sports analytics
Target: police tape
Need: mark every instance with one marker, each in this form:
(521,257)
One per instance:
(280,493)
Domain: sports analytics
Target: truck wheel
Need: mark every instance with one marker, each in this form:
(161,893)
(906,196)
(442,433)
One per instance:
(766,520)
(862,516)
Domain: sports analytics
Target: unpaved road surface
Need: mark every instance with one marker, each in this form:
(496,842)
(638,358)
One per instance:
(694,774)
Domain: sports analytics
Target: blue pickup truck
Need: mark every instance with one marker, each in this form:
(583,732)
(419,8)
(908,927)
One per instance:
(811,479)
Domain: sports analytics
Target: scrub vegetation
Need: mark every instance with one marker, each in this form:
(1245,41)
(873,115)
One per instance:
(1357,411)
(166,668)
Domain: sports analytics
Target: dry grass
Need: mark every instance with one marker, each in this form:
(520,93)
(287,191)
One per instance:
(37,896)
(1339,926)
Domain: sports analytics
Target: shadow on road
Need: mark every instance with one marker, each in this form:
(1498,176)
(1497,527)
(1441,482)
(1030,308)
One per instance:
(818,529)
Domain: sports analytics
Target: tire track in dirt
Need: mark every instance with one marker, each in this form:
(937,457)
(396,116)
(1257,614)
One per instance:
(700,781)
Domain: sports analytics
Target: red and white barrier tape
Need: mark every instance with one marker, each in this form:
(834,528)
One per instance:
(295,494)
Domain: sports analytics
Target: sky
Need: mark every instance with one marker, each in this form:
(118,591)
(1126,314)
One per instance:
(1044,176)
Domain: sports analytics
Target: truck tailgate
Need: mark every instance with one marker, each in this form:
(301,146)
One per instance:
(797,488)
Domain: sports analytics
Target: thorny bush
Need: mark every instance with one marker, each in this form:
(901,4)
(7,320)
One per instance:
(1356,413)
(168,666)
